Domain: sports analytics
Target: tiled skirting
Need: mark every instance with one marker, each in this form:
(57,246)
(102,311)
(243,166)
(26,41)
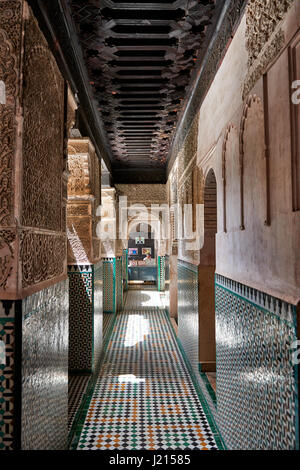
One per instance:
(7,374)
(45,369)
(188,327)
(161,273)
(112,285)
(85,316)
(256,404)
(188,321)
(98,311)
(257,391)
(108,319)
(77,388)
(34,370)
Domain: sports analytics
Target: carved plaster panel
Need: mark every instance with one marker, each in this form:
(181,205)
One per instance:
(264,36)
(42,257)
(10,46)
(43,133)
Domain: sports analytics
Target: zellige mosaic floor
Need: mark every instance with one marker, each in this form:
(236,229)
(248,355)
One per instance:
(144,397)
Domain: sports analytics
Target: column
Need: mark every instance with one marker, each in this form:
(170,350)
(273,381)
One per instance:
(84,258)
(33,256)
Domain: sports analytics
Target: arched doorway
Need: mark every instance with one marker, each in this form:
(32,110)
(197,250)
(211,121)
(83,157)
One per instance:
(207,267)
(142,254)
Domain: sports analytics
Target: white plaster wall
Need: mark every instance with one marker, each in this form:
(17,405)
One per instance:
(264,257)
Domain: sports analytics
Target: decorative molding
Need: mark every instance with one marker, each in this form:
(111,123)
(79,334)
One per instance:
(232,15)
(79,175)
(274,305)
(7,255)
(267,148)
(294,74)
(252,99)
(42,257)
(205,160)
(267,56)
(10,45)
(262,18)
(43,133)
(264,36)
(224,150)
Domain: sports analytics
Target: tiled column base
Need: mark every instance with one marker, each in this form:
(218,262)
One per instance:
(86,317)
(161,273)
(34,371)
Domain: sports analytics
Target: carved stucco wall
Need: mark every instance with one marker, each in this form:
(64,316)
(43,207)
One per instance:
(31,218)
(264,36)
(10,44)
(145,195)
(109,245)
(83,201)
(32,233)
(84,269)
(185,188)
(247,142)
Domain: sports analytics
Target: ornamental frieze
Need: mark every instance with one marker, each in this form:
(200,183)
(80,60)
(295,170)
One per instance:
(264,37)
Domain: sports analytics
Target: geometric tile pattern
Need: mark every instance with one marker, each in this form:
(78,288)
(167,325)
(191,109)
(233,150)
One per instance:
(44,411)
(161,273)
(119,283)
(144,297)
(257,390)
(109,285)
(85,316)
(125,268)
(144,397)
(188,317)
(188,326)
(77,387)
(7,338)
(107,321)
(167,272)
(98,312)
(80,317)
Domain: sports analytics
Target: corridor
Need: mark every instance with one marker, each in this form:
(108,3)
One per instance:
(149,225)
(144,396)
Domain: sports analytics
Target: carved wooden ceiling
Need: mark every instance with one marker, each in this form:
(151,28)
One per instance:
(140,59)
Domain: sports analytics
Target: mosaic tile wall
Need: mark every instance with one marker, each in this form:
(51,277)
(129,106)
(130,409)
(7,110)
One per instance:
(7,342)
(119,283)
(108,318)
(167,274)
(81,318)
(125,269)
(188,321)
(85,316)
(98,311)
(188,327)
(45,369)
(161,273)
(109,285)
(257,392)
(77,388)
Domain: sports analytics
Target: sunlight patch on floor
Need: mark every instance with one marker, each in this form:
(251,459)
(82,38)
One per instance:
(130,378)
(136,330)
